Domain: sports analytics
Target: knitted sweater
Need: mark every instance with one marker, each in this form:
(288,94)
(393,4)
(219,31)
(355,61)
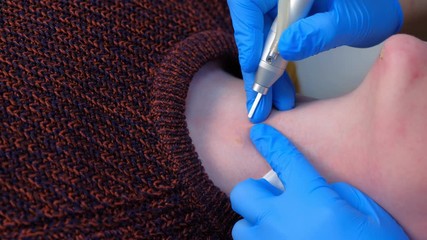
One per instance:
(93,137)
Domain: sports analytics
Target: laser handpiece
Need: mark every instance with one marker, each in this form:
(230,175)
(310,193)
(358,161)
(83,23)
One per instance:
(272,65)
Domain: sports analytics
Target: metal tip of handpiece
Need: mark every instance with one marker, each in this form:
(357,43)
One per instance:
(255,105)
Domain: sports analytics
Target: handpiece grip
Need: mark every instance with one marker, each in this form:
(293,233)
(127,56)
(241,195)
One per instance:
(272,65)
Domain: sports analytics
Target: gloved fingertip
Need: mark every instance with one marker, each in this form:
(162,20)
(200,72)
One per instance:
(268,141)
(263,109)
(284,94)
(285,159)
(262,132)
(284,104)
(256,129)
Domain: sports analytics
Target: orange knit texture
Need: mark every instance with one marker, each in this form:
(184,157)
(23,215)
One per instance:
(93,138)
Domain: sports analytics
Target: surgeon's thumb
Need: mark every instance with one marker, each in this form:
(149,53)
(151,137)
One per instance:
(309,36)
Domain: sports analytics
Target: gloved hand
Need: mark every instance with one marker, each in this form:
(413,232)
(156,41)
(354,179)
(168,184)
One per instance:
(252,21)
(331,23)
(309,208)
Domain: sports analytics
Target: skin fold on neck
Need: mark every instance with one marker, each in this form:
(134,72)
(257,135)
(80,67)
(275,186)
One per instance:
(219,128)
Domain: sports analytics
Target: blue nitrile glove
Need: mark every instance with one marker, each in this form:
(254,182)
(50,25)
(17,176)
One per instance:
(331,23)
(309,208)
(252,21)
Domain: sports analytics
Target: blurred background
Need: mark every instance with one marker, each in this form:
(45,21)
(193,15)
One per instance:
(335,72)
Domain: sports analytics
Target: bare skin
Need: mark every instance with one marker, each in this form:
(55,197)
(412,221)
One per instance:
(373,138)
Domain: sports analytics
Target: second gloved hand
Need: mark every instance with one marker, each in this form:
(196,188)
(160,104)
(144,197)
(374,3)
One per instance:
(333,23)
(309,208)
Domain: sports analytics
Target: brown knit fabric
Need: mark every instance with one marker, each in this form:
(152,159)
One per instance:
(93,138)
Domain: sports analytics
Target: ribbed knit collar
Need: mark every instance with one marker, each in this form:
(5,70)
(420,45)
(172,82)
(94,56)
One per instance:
(170,86)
